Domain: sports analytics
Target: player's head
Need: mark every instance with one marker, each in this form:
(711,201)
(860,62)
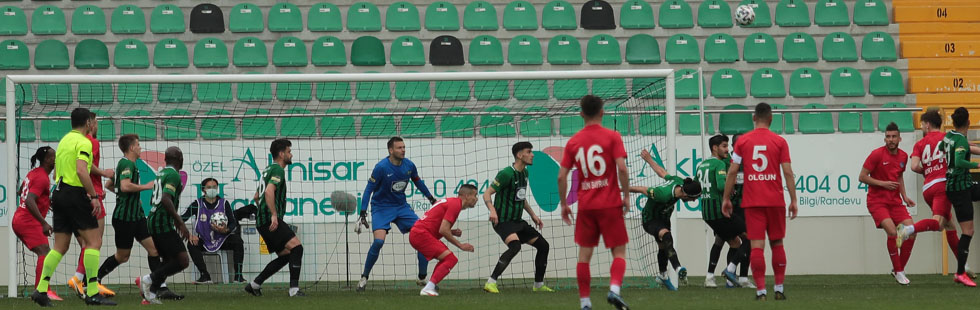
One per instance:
(522,152)
(44,155)
(689,191)
(892,137)
(763,115)
(467,193)
(961,118)
(719,145)
(282,149)
(930,121)
(93,125)
(591,107)
(80,118)
(174,157)
(396,148)
(130,143)
(210,187)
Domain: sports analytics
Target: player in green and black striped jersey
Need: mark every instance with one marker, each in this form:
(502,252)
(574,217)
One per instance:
(960,188)
(712,173)
(165,225)
(507,217)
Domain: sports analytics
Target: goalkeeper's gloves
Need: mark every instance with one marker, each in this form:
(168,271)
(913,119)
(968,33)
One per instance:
(363,213)
(432,200)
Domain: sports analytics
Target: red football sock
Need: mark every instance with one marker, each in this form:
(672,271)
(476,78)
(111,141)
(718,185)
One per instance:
(584,276)
(906,251)
(954,241)
(757,261)
(926,225)
(893,254)
(81,265)
(779,263)
(616,271)
(443,267)
(37,270)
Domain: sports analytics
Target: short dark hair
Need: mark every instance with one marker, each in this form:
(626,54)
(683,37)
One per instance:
(80,116)
(691,187)
(467,186)
(961,117)
(763,110)
(206,181)
(591,105)
(126,141)
(717,140)
(932,117)
(173,155)
(520,146)
(278,146)
(391,142)
(891,127)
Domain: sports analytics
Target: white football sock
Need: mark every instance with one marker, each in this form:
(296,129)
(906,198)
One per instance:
(538,284)
(430,286)
(293,291)
(585,302)
(255,285)
(615,289)
(778,288)
(731,267)
(81,277)
(760,292)
(491,280)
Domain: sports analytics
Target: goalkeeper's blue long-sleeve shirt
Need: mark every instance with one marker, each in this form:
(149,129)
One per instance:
(388,183)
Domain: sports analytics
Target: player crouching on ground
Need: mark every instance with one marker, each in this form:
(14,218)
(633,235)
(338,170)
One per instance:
(436,224)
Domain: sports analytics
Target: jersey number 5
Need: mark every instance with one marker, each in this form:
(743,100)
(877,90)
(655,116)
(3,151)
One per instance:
(757,155)
(591,161)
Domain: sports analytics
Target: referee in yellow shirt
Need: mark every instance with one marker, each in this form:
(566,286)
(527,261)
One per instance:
(75,207)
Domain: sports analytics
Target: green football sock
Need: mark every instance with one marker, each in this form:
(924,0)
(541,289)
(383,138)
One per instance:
(51,262)
(92,271)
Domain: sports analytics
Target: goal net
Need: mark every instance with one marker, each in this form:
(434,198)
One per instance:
(459,128)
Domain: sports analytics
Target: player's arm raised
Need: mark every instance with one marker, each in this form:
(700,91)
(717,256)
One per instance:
(790,180)
(270,203)
(446,230)
(653,164)
(726,197)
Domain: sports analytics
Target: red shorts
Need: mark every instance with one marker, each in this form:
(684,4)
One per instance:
(425,243)
(936,198)
(760,221)
(608,223)
(101,215)
(896,212)
(30,232)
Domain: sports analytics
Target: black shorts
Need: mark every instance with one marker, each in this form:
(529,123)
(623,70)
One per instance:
(276,241)
(523,230)
(168,244)
(963,202)
(71,210)
(727,228)
(654,227)
(128,231)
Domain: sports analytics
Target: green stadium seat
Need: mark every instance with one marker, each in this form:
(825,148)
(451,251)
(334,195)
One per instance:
(457,126)
(13,22)
(622,123)
(214,92)
(816,122)
(531,90)
(901,118)
(647,88)
(289,52)
(481,16)
(735,123)
(686,85)
(179,128)
(88,19)
(363,16)
(285,17)
(367,51)
(558,15)
(690,124)
(792,13)
(407,51)
(653,124)
(570,89)
(294,91)
(636,14)
(210,53)
(218,128)
(333,91)
(131,54)
(676,14)
(603,49)
(167,18)
(763,18)
(51,55)
(569,125)
(453,90)
(418,126)
(298,126)
(91,54)
(846,82)
(373,91)
(851,122)
(768,83)
(682,48)
(831,13)
(715,14)
(134,93)
(878,46)
(14,55)
(485,50)
(610,88)
(720,48)
(642,49)
(48,19)
(52,130)
(340,126)
(564,50)
(441,16)
(175,93)
(491,90)
(524,50)
(806,82)
(258,127)
(402,16)
(378,125)
(254,91)
(727,83)
(250,52)
(839,46)
(781,122)
(100,93)
(799,47)
(26,130)
(520,15)
(170,53)
(536,125)
(760,47)
(870,13)
(329,51)
(24,94)
(128,19)
(324,17)
(146,129)
(886,81)
(497,125)
(413,90)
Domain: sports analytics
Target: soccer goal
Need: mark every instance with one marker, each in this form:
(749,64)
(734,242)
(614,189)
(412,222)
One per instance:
(459,128)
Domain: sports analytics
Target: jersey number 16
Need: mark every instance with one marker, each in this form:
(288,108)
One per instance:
(591,161)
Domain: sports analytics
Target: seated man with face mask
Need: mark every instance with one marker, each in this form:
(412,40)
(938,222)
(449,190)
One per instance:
(210,234)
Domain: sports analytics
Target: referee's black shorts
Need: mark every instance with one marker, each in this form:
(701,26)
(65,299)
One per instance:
(71,210)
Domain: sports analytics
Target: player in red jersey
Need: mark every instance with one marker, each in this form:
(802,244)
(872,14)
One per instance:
(599,157)
(35,200)
(882,171)
(763,153)
(437,224)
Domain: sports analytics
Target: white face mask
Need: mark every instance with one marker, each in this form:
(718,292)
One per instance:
(211,192)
